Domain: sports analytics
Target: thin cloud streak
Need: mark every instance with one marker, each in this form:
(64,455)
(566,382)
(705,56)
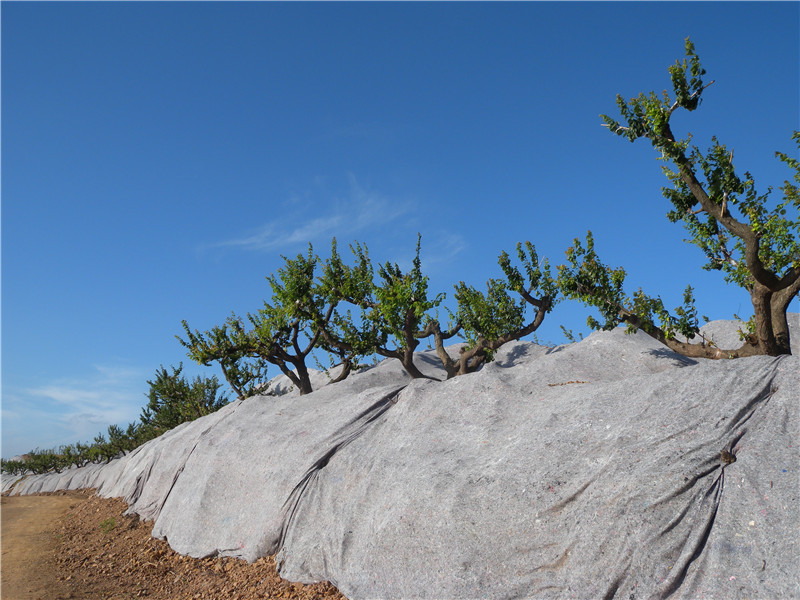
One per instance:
(68,411)
(444,249)
(361,210)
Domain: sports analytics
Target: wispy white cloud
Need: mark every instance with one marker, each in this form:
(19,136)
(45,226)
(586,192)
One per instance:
(361,209)
(70,410)
(444,249)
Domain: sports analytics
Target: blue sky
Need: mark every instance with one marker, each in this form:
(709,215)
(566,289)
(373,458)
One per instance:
(158,158)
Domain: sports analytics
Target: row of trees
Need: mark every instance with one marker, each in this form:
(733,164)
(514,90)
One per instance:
(172,400)
(351,310)
(345,310)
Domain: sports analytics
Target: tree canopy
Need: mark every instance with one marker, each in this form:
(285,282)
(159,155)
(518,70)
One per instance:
(754,242)
(344,309)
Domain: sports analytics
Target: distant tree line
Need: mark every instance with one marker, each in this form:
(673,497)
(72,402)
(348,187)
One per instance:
(172,400)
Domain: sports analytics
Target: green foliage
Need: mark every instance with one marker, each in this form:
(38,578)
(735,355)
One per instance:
(228,344)
(394,314)
(489,315)
(341,311)
(755,244)
(101,450)
(496,317)
(648,115)
(13,467)
(37,462)
(402,300)
(300,317)
(68,456)
(587,279)
(121,442)
(351,332)
(107,525)
(349,313)
(173,400)
(570,335)
(81,454)
(776,233)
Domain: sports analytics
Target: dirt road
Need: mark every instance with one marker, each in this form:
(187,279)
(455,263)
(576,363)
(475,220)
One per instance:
(29,541)
(74,545)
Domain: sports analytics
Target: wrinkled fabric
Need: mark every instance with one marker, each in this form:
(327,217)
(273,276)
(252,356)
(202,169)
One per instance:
(609,468)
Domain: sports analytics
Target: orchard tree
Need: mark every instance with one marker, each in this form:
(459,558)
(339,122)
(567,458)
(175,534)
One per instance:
(81,454)
(401,315)
(395,313)
(347,335)
(173,400)
(398,312)
(283,333)
(755,244)
(495,318)
(228,344)
(122,441)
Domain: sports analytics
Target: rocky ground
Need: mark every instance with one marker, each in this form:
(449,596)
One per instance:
(96,552)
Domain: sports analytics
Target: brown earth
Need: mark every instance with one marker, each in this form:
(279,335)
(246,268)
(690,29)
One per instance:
(74,545)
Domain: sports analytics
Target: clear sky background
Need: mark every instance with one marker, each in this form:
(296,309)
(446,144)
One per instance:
(158,158)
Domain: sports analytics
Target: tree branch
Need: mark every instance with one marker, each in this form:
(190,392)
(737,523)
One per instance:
(697,93)
(701,350)
(750,238)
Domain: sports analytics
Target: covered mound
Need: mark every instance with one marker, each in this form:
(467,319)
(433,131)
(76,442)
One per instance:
(607,468)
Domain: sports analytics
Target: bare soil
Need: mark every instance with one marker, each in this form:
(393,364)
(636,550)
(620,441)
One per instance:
(75,545)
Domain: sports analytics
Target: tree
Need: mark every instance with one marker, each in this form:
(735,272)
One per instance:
(122,441)
(82,454)
(283,333)
(347,336)
(173,400)
(397,311)
(228,345)
(757,247)
(400,313)
(493,319)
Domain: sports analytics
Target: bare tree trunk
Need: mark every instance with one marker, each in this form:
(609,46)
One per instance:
(411,368)
(347,366)
(780,325)
(780,329)
(303,380)
(762,304)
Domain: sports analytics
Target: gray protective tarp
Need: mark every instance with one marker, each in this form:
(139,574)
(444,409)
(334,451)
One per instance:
(591,470)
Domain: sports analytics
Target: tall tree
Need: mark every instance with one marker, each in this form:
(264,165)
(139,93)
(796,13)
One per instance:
(755,244)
